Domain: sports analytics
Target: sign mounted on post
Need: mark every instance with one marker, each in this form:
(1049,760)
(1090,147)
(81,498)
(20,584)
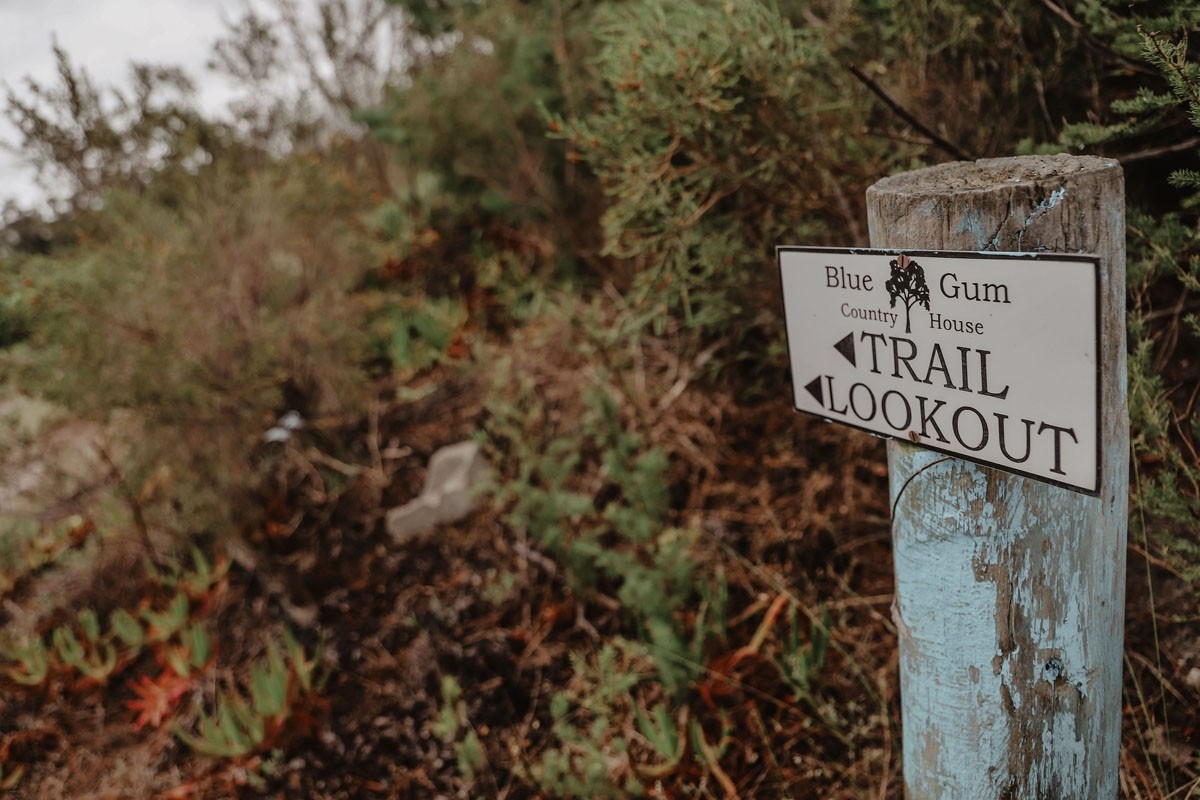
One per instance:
(990,357)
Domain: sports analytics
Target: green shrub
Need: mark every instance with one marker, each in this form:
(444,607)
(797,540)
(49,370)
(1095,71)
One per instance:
(209,319)
(591,756)
(595,496)
(15,315)
(476,175)
(1164,287)
(720,132)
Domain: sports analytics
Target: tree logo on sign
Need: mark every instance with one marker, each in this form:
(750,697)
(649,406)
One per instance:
(907,284)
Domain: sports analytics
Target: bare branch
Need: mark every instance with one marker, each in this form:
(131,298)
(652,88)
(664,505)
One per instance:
(906,115)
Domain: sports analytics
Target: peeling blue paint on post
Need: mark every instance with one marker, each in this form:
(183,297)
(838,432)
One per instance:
(1050,202)
(979,543)
(1009,592)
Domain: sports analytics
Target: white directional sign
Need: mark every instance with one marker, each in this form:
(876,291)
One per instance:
(992,357)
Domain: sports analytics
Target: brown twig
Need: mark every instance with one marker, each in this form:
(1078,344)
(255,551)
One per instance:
(909,117)
(1091,39)
(1174,311)
(1155,152)
(134,503)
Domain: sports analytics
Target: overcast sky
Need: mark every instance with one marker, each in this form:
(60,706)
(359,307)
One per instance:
(103,36)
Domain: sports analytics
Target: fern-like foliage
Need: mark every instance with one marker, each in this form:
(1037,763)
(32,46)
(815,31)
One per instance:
(1163,118)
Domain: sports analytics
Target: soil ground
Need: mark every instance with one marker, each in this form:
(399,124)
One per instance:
(479,603)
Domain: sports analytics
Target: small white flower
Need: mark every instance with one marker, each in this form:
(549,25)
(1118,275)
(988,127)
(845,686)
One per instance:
(291,421)
(284,426)
(277,434)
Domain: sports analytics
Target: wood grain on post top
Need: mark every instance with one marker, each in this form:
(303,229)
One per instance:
(1010,592)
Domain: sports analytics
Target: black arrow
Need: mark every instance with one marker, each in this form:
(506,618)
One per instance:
(846,348)
(814,388)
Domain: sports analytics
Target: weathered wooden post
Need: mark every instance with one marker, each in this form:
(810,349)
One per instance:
(1009,590)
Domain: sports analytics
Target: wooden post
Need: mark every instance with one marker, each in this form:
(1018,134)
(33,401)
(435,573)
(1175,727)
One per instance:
(1010,592)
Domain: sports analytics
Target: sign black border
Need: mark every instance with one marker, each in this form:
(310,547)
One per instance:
(1094,260)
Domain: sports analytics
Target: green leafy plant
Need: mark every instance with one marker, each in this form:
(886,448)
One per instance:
(87,649)
(9,779)
(801,659)
(592,758)
(596,499)
(197,581)
(453,727)
(95,657)
(303,667)
(127,629)
(615,536)
(162,625)
(32,661)
(250,719)
(415,336)
(663,733)
(193,652)
(237,730)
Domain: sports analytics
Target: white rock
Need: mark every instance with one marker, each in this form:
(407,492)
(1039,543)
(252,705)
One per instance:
(458,475)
